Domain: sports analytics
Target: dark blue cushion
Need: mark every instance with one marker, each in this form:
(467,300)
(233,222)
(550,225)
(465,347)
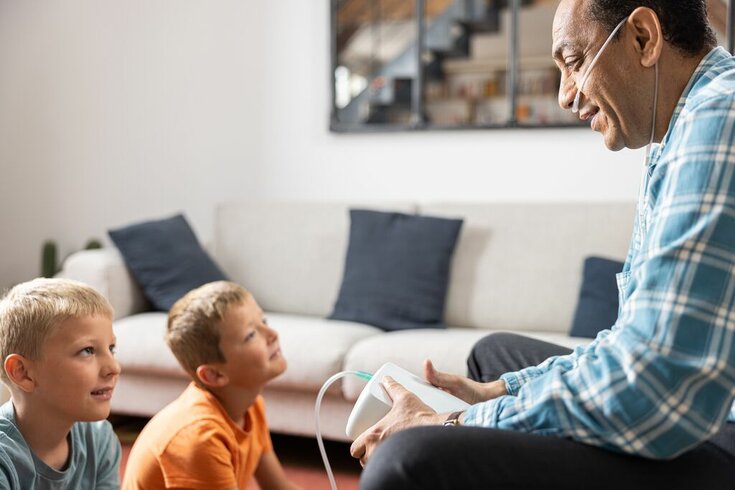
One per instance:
(597,307)
(165,259)
(397,270)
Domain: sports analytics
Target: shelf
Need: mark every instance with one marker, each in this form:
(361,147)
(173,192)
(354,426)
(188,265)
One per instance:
(531,109)
(476,66)
(494,98)
(467,100)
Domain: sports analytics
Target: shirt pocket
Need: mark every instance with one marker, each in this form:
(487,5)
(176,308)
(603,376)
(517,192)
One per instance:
(623,279)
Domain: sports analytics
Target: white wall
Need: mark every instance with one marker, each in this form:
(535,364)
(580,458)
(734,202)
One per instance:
(112,112)
(118,111)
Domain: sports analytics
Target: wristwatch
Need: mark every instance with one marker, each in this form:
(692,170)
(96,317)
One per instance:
(453,419)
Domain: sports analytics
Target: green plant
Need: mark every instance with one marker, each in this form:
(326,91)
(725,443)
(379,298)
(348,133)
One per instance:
(49,252)
(93,244)
(50,266)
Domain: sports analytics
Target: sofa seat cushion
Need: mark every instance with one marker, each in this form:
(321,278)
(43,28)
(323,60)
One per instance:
(141,348)
(315,348)
(448,350)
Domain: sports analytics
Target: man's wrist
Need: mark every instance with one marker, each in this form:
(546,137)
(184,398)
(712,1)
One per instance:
(497,388)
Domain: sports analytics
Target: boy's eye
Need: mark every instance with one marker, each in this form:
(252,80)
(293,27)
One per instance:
(113,348)
(250,335)
(265,320)
(87,351)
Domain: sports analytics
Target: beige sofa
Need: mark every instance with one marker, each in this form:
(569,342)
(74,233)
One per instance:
(517,267)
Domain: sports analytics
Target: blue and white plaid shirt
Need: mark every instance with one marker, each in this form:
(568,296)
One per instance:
(662,379)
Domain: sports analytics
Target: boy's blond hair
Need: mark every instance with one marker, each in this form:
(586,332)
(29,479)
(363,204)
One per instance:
(30,310)
(193,323)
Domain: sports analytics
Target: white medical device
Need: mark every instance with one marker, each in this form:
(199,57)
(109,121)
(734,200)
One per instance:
(374,403)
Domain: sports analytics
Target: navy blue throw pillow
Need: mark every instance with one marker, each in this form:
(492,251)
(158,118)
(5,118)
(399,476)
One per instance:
(397,270)
(165,259)
(597,307)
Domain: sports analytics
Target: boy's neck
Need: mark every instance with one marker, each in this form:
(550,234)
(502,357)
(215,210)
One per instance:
(236,401)
(45,433)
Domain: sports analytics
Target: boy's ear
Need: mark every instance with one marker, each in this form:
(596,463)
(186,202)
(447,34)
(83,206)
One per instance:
(211,376)
(19,371)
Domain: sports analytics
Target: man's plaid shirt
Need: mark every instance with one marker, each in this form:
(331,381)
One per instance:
(662,379)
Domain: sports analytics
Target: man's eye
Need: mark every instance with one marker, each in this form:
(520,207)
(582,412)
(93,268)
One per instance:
(571,63)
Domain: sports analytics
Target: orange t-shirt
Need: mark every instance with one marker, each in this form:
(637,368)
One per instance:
(193,443)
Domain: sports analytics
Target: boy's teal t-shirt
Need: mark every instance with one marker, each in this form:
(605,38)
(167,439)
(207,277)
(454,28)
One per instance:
(93,462)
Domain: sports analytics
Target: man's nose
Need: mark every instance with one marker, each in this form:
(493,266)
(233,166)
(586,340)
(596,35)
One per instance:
(567,92)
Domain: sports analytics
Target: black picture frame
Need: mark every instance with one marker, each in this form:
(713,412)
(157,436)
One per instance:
(419,122)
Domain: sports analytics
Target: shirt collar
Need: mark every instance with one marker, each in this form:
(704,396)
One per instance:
(710,59)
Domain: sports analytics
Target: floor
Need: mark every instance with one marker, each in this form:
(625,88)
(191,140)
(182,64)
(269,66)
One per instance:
(299,455)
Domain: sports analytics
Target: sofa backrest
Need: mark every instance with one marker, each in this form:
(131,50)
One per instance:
(517,266)
(289,254)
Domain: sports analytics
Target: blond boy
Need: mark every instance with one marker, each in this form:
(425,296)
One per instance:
(215,435)
(57,348)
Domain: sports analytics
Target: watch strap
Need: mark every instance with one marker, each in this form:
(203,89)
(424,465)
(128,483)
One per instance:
(453,419)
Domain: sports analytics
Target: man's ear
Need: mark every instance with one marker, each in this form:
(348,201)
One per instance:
(211,376)
(20,372)
(646,27)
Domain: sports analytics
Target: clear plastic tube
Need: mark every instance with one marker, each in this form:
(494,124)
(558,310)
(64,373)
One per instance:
(575,105)
(653,119)
(317,408)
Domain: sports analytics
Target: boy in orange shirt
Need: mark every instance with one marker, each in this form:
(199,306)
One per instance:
(215,435)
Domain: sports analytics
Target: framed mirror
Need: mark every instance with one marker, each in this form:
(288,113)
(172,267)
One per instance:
(452,64)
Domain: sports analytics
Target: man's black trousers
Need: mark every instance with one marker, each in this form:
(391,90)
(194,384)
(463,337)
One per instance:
(467,458)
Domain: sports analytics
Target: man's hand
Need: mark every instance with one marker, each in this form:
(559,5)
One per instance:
(464,388)
(407,411)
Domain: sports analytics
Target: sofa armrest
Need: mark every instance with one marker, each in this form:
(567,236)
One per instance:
(104,269)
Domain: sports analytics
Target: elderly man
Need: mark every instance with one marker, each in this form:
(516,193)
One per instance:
(649,403)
